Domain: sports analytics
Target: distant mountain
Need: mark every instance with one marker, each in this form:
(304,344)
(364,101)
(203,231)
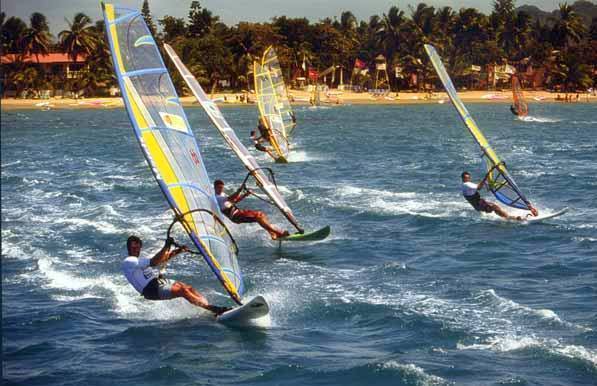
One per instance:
(586,9)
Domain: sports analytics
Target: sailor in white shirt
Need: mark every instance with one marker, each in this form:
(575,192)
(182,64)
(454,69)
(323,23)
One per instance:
(228,206)
(144,276)
(470,191)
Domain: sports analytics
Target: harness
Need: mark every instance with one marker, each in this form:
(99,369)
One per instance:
(474,200)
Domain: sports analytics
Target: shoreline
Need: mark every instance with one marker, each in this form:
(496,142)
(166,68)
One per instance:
(300,97)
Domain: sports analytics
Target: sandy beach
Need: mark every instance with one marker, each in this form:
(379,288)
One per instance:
(300,97)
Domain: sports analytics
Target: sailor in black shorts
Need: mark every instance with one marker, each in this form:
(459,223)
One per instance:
(144,276)
(470,191)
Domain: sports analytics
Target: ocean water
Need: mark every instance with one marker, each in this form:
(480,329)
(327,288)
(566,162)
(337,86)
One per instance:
(413,287)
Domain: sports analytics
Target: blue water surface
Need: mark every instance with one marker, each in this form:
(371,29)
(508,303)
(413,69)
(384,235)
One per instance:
(413,287)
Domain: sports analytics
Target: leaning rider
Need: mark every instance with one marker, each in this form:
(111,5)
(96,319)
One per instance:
(143,274)
(239,216)
(470,191)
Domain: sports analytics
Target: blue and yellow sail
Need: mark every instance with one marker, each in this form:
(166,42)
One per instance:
(168,143)
(499,181)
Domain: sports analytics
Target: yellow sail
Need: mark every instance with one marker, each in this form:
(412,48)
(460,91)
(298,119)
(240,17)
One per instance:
(499,180)
(168,143)
(272,110)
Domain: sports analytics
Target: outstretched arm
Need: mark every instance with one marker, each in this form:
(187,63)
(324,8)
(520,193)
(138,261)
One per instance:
(238,196)
(162,256)
(165,254)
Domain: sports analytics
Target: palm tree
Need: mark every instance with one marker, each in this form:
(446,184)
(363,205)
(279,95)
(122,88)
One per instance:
(37,39)
(12,31)
(389,32)
(80,38)
(25,79)
(568,29)
(348,22)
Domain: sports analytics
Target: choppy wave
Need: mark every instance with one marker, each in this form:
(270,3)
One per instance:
(386,202)
(419,375)
(530,118)
(390,298)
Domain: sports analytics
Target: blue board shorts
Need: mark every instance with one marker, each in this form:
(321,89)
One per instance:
(158,289)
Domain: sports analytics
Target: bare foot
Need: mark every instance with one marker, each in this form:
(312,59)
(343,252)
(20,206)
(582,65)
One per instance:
(277,235)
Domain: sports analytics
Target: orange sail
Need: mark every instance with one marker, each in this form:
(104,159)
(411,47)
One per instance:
(519,107)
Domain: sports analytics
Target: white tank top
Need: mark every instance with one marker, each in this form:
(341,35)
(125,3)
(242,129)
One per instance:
(138,271)
(223,202)
(469,189)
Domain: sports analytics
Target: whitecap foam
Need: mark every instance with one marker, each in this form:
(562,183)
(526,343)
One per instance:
(126,301)
(17,162)
(414,371)
(386,202)
(81,223)
(295,194)
(302,156)
(530,118)
(507,305)
(553,346)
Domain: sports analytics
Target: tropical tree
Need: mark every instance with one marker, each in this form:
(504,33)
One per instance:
(201,20)
(80,38)
(572,72)
(12,31)
(147,16)
(569,28)
(172,27)
(36,40)
(390,31)
(471,31)
(503,20)
(26,78)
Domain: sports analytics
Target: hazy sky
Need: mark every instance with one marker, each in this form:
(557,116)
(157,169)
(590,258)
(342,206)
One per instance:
(233,11)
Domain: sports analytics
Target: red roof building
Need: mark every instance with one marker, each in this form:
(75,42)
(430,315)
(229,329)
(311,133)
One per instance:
(52,58)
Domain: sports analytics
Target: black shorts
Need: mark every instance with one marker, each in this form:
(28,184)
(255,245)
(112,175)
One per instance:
(158,289)
(480,204)
(483,206)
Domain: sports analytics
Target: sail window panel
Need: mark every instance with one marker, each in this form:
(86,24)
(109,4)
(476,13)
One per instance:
(137,47)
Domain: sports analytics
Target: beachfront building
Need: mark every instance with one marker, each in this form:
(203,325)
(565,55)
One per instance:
(54,71)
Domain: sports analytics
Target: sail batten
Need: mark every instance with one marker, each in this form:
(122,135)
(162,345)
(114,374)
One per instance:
(214,113)
(168,143)
(273,103)
(500,183)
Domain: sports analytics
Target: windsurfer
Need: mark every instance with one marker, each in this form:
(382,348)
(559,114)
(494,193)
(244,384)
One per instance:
(470,191)
(513,110)
(144,275)
(258,142)
(264,136)
(239,216)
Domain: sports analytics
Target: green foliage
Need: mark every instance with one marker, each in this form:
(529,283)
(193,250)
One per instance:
(201,20)
(172,28)
(147,17)
(563,45)
(80,38)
